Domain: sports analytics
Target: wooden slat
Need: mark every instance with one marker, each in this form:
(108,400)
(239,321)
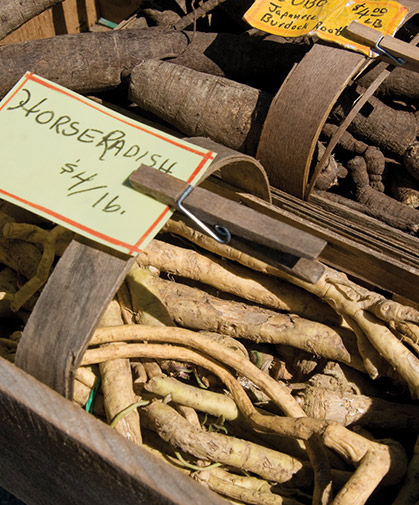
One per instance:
(72,16)
(397,48)
(357,244)
(240,220)
(54,453)
(67,313)
(117,11)
(368,230)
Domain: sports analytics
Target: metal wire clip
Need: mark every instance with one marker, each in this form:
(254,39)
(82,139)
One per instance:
(223,235)
(380,50)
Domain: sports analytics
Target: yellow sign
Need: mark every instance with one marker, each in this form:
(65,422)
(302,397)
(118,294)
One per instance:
(325,18)
(68,159)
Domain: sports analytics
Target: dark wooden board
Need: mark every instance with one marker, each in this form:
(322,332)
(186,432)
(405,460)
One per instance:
(357,244)
(64,318)
(215,210)
(54,453)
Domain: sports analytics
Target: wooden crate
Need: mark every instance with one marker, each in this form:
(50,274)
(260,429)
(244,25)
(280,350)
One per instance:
(72,16)
(54,452)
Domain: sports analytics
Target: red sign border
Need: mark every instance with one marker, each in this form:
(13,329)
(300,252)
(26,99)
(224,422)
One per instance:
(29,76)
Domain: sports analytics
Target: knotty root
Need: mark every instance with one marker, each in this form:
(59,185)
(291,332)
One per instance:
(117,385)
(411,160)
(332,171)
(393,131)
(193,308)
(347,409)
(246,489)
(344,296)
(34,235)
(409,491)
(267,463)
(374,158)
(146,305)
(378,204)
(233,279)
(20,256)
(406,190)
(376,163)
(352,447)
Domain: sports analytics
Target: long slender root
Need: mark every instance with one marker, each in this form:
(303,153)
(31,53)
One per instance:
(35,235)
(117,385)
(234,279)
(347,298)
(349,445)
(244,488)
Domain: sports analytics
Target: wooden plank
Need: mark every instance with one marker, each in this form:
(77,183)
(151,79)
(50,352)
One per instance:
(117,11)
(72,16)
(80,15)
(53,452)
(357,244)
(215,210)
(67,313)
(368,230)
(353,249)
(395,47)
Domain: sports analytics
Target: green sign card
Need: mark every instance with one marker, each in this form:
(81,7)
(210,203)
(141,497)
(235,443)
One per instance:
(68,159)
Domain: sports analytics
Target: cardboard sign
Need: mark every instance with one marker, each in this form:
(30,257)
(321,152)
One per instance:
(68,159)
(325,18)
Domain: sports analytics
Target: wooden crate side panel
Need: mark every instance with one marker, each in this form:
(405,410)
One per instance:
(118,11)
(52,452)
(72,16)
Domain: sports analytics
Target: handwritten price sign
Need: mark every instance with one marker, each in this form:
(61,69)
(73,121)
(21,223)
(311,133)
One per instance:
(325,18)
(68,158)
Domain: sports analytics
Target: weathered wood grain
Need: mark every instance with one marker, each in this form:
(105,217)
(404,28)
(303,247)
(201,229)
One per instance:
(216,210)
(14,13)
(370,37)
(298,113)
(357,244)
(67,313)
(52,452)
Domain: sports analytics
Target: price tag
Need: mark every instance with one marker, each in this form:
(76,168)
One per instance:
(325,18)
(68,159)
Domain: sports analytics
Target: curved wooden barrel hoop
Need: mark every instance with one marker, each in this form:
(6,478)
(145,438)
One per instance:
(300,109)
(67,313)
(298,113)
